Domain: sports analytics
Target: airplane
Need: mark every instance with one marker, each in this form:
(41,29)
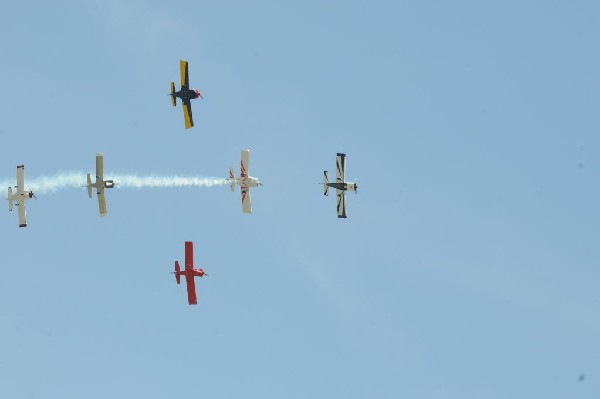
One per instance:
(20,196)
(245,181)
(185,94)
(340,185)
(100,184)
(189,272)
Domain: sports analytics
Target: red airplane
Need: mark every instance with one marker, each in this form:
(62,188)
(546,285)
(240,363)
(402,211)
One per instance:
(189,272)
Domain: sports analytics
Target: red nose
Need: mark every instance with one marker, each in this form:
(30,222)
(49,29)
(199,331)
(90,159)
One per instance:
(198,93)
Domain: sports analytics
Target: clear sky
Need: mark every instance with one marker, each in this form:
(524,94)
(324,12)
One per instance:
(467,267)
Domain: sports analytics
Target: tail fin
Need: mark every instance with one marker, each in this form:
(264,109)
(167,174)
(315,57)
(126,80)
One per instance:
(177,271)
(89,185)
(325,181)
(232,176)
(173,98)
(10,202)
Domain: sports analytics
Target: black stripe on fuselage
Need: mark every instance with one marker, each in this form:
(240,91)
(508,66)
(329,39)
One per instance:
(339,186)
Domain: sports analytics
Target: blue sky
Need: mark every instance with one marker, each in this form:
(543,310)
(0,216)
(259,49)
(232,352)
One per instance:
(468,265)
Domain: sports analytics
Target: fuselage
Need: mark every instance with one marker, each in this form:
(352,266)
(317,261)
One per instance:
(20,196)
(191,273)
(100,185)
(343,186)
(187,94)
(246,181)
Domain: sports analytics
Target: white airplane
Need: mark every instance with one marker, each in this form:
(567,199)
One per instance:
(20,196)
(340,185)
(100,184)
(245,181)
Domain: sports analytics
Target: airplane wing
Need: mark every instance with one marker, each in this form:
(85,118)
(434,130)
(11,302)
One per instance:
(185,80)
(189,254)
(187,114)
(20,178)
(102,203)
(246,200)
(189,264)
(22,217)
(341,203)
(191,289)
(100,166)
(340,166)
(245,163)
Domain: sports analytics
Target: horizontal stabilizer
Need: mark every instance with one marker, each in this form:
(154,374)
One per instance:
(10,201)
(325,181)
(177,271)
(173,98)
(89,185)
(232,177)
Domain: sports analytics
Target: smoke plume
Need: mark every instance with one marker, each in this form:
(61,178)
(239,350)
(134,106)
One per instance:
(52,184)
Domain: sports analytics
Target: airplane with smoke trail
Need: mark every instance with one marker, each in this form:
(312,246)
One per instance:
(71,180)
(245,181)
(20,196)
(100,184)
(185,94)
(189,272)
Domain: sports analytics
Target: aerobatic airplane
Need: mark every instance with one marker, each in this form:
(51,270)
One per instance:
(20,196)
(189,272)
(340,185)
(185,94)
(245,181)
(100,184)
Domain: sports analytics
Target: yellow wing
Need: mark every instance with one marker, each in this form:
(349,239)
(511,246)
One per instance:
(187,114)
(183,66)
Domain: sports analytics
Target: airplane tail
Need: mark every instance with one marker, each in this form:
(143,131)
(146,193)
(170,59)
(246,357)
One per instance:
(325,181)
(173,98)
(232,177)
(10,202)
(89,185)
(177,271)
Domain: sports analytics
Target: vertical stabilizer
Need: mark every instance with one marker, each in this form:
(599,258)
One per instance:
(89,185)
(10,201)
(325,182)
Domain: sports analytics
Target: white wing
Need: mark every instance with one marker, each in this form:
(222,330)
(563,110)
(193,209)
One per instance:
(100,166)
(341,203)
(102,203)
(22,214)
(246,201)
(340,166)
(245,163)
(20,178)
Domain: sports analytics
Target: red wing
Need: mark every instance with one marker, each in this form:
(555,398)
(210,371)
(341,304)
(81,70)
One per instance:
(191,289)
(189,255)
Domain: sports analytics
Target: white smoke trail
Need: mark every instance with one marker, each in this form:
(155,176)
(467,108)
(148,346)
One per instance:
(51,184)
(167,181)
